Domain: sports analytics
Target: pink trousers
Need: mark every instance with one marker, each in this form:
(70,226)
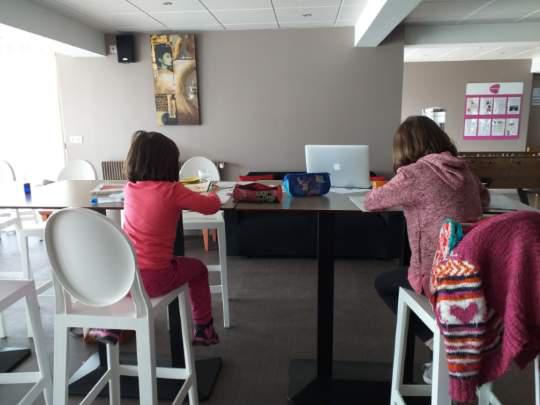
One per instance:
(181,271)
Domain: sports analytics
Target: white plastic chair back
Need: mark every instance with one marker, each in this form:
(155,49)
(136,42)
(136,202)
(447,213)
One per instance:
(7,175)
(92,260)
(201,167)
(78,170)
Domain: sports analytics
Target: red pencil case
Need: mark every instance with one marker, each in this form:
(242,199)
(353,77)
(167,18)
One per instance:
(257,192)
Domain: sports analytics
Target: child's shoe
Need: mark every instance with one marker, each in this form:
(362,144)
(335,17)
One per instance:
(205,335)
(107,336)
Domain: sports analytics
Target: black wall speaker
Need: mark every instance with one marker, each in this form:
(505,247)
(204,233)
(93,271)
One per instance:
(125,46)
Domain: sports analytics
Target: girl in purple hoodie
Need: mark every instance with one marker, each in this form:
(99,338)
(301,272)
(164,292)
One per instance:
(431,184)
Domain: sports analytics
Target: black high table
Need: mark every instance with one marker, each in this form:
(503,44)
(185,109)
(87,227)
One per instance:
(323,380)
(76,193)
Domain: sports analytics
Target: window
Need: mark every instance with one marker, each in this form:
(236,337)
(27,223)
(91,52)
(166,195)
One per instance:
(30,126)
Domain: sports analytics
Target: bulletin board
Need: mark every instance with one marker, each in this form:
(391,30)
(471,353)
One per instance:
(493,111)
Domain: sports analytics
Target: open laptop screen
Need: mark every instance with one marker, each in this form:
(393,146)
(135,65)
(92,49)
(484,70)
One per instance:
(348,165)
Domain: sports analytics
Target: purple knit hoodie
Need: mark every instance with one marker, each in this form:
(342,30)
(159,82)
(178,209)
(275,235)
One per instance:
(436,187)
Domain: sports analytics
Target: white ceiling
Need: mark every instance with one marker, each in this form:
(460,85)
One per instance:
(202,15)
(494,51)
(450,12)
(475,11)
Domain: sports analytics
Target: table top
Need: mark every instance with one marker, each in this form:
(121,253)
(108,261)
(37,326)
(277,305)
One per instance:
(76,193)
(341,202)
(61,194)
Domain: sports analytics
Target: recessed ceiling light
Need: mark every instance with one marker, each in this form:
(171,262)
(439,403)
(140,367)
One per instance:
(167,3)
(307,15)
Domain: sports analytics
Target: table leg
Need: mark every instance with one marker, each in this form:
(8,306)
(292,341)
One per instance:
(324,381)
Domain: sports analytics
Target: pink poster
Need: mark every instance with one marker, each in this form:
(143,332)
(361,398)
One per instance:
(492,111)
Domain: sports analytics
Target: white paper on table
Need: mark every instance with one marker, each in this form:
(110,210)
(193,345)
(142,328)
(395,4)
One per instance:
(230,184)
(501,202)
(345,190)
(359,200)
(224,196)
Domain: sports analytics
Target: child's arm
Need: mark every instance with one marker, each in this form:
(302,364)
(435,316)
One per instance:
(397,192)
(207,203)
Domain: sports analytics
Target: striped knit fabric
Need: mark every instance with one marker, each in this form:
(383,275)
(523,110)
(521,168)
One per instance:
(469,328)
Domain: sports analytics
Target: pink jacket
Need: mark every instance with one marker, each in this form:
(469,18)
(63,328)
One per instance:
(436,187)
(151,211)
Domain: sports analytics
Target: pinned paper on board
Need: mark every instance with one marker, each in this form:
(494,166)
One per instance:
(493,110)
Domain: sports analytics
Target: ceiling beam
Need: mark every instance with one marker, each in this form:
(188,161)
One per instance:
(33,18)
(524,32)
(378,20)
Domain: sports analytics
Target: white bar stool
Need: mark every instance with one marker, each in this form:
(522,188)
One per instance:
(12,291)
(438,390)
(196,221)
(94,269)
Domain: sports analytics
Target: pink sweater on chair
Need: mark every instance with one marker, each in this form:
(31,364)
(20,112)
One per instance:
(436,187)
(487,303)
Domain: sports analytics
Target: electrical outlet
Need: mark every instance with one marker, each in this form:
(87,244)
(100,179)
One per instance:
(76,139)
(112,49)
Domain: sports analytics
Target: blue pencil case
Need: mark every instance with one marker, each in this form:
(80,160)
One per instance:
(306,184)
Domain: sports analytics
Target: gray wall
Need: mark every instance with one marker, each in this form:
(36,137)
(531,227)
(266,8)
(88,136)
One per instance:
(264,95)
(442,84)
(534,119)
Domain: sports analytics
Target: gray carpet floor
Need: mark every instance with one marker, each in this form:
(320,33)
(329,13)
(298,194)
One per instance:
(273,316)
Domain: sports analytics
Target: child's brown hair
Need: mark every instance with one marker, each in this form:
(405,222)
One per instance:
(419,136)
(152,157)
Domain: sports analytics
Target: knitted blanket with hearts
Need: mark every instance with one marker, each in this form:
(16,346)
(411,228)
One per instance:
(485,298)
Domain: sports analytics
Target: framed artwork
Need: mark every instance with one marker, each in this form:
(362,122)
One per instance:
(174,64)
(492,111)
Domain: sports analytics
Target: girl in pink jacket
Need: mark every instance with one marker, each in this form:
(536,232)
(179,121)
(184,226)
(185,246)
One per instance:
(153,204)
(431,184)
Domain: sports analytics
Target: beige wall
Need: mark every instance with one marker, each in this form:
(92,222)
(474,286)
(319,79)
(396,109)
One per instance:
(264,95)
(442,84)
(534,119)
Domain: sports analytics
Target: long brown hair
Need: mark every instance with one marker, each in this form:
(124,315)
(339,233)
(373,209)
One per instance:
(419,136)
(152,156)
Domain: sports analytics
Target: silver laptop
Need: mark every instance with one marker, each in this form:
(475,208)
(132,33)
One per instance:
(348,165)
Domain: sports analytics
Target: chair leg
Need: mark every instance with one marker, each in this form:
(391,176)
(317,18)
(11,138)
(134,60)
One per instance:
(185,316)
(25,266)
(222,246)
(2,327)
(484,394)
(214,233)
(440,378)
(402,326)
(205,239)
(60,389)
(113,360)
(25,257)
(39,342)
(115,216)
(537,380)
(146,358)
